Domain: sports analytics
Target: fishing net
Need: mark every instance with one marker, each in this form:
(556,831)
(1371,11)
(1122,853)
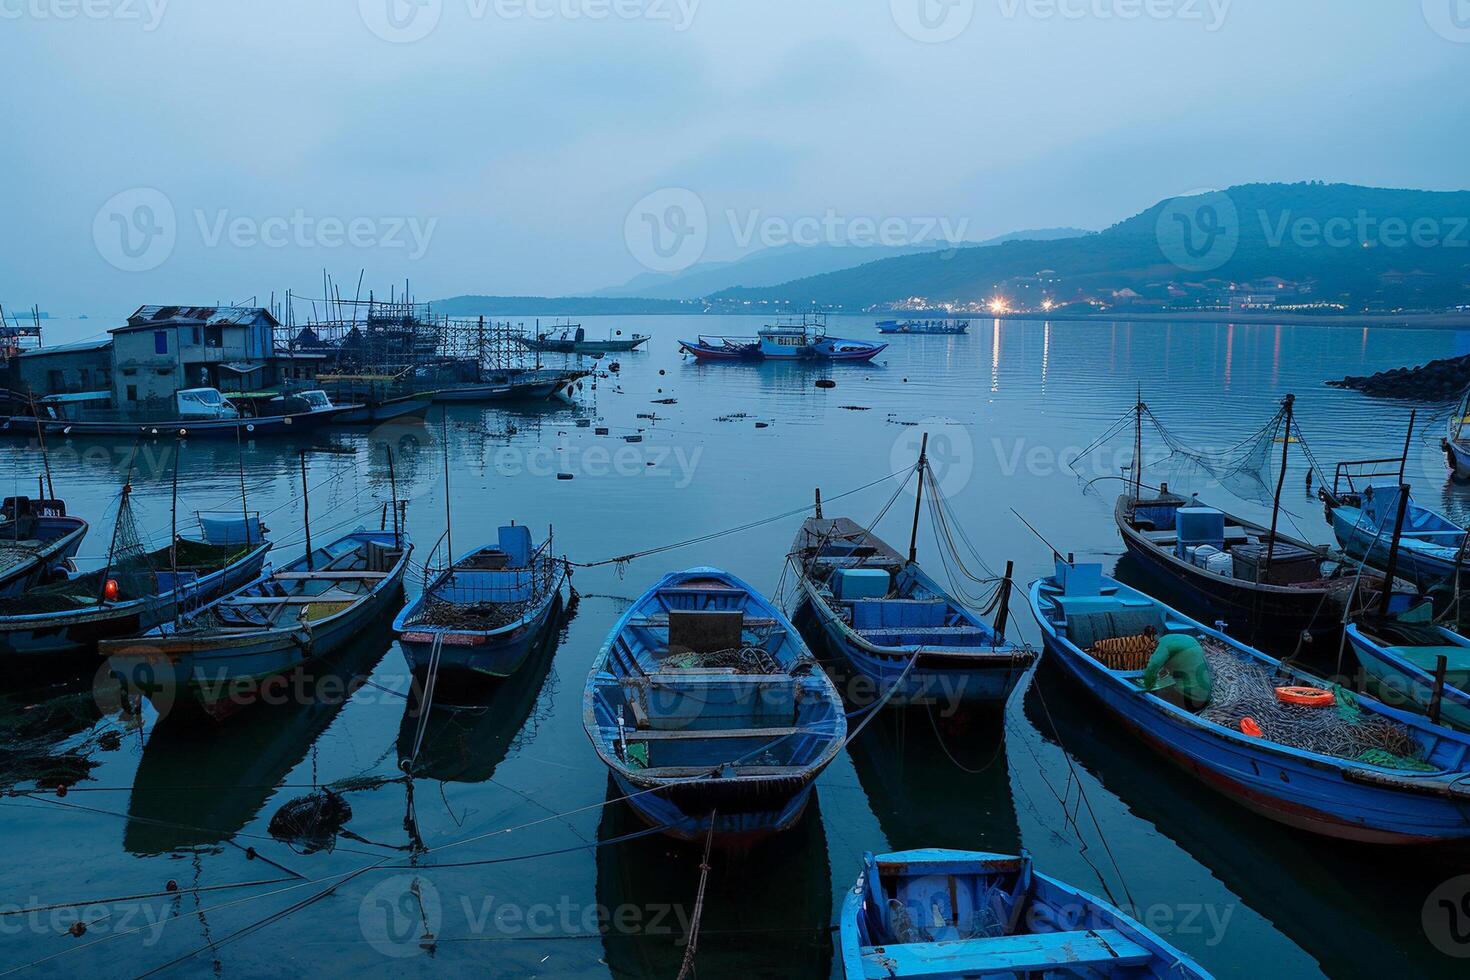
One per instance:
(1249,469)
(37,743)
(311,823)
(745,660)
(128,561)
(1245,689)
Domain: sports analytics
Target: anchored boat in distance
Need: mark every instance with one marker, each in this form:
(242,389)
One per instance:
(799,340)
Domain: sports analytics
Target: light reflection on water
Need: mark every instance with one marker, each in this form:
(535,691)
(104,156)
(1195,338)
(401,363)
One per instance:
(740,443)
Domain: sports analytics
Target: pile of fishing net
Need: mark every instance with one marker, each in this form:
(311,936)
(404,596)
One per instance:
(744,660)
(1246,689)
(311,823)
(480,616)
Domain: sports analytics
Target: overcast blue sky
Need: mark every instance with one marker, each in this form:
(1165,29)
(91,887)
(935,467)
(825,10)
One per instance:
(201,150)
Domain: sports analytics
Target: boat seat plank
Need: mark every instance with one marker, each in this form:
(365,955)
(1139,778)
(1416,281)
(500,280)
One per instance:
(924,631)
(662,622)
(1107,948)
(329,576)
(657,735)
(294,600)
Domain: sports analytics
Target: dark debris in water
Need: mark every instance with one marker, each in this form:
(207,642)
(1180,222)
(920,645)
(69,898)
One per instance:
(312,822)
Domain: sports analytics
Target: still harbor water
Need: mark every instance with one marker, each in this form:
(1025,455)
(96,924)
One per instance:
(167,835)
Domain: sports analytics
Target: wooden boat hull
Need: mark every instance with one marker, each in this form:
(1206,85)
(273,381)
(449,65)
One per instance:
(1366,545)
(248,428)
(409,406)
(582,346)
(220,674)
(494,658)
(952,679)
(829,349)
(1457,455)
(698,746)
(1335,798)
(69,532)
(41,636)
(1394,680)
(543,386)
(1067,929)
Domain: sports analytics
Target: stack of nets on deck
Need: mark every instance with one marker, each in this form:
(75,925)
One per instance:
(744,660)
(479,616)
(1247,689)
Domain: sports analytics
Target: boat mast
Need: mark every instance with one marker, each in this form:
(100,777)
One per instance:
(41,440)
(1138,410)
(306,513)
(448,519)
(1408,444)
(919,500)
(1391,572)
(1287,406)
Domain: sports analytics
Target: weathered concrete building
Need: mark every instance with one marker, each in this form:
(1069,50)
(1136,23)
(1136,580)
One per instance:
(66,369)
(163,349)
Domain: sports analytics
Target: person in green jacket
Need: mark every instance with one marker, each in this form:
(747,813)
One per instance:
(1179,672)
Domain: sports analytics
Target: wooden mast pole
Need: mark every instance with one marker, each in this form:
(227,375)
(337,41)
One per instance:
(306,513)
(1287,405)
(919,499)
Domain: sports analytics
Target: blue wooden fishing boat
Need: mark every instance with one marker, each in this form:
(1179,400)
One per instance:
(800,340)
(37,539)
(483,615)
(50,623)
(1400,663)
(1429,549)
(950,915)
(224,656)
(1352,769)
(881,614)
(705,706)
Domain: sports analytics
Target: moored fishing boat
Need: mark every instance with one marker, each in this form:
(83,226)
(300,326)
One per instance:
(573,340)
(223,656)
(530,384)
(896,627)
(803,340)
(1402,660)
(947,915)
(1456,442)
(484,614)
(37,538)
(1276,740)
(709,711)
(134,593)
(1233,569)
(947,328)
(1429,546)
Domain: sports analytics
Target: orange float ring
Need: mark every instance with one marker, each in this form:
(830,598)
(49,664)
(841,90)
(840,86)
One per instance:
(1306,697)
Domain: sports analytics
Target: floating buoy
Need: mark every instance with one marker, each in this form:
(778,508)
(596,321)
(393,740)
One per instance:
(564,476)
(826,383)
(762,425)
(172,886)
(632,438)
(1306,697)
(601,430)
(1249,726)
(78,928)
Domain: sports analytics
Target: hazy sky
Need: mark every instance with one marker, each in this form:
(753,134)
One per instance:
(202,150)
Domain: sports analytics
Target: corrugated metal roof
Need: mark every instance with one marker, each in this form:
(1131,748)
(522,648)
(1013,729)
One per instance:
(151,316)
(81,347)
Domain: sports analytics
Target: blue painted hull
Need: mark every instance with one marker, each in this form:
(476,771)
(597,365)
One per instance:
(1393,680)
(37,638)
(496,658)
(1334,797)
(685,813)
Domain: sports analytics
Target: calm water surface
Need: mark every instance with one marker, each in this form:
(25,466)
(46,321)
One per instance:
(524,855)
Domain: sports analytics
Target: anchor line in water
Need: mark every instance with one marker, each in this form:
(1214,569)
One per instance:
(691,944)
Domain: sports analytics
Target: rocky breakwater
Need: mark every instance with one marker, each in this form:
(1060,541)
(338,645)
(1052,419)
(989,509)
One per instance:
(1436,381)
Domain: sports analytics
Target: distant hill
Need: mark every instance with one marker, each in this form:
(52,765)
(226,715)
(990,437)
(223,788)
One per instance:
(1332,243)
(551,306)
(772,266)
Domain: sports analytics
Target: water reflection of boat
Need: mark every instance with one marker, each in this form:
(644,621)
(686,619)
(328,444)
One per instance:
(197,792)
(956,766)
(1314,890)
(465,742)
(767,912)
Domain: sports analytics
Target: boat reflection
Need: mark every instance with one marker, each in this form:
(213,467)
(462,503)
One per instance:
(466,739)
(1316,891)
(767,911)
(956,765)
(197,788)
